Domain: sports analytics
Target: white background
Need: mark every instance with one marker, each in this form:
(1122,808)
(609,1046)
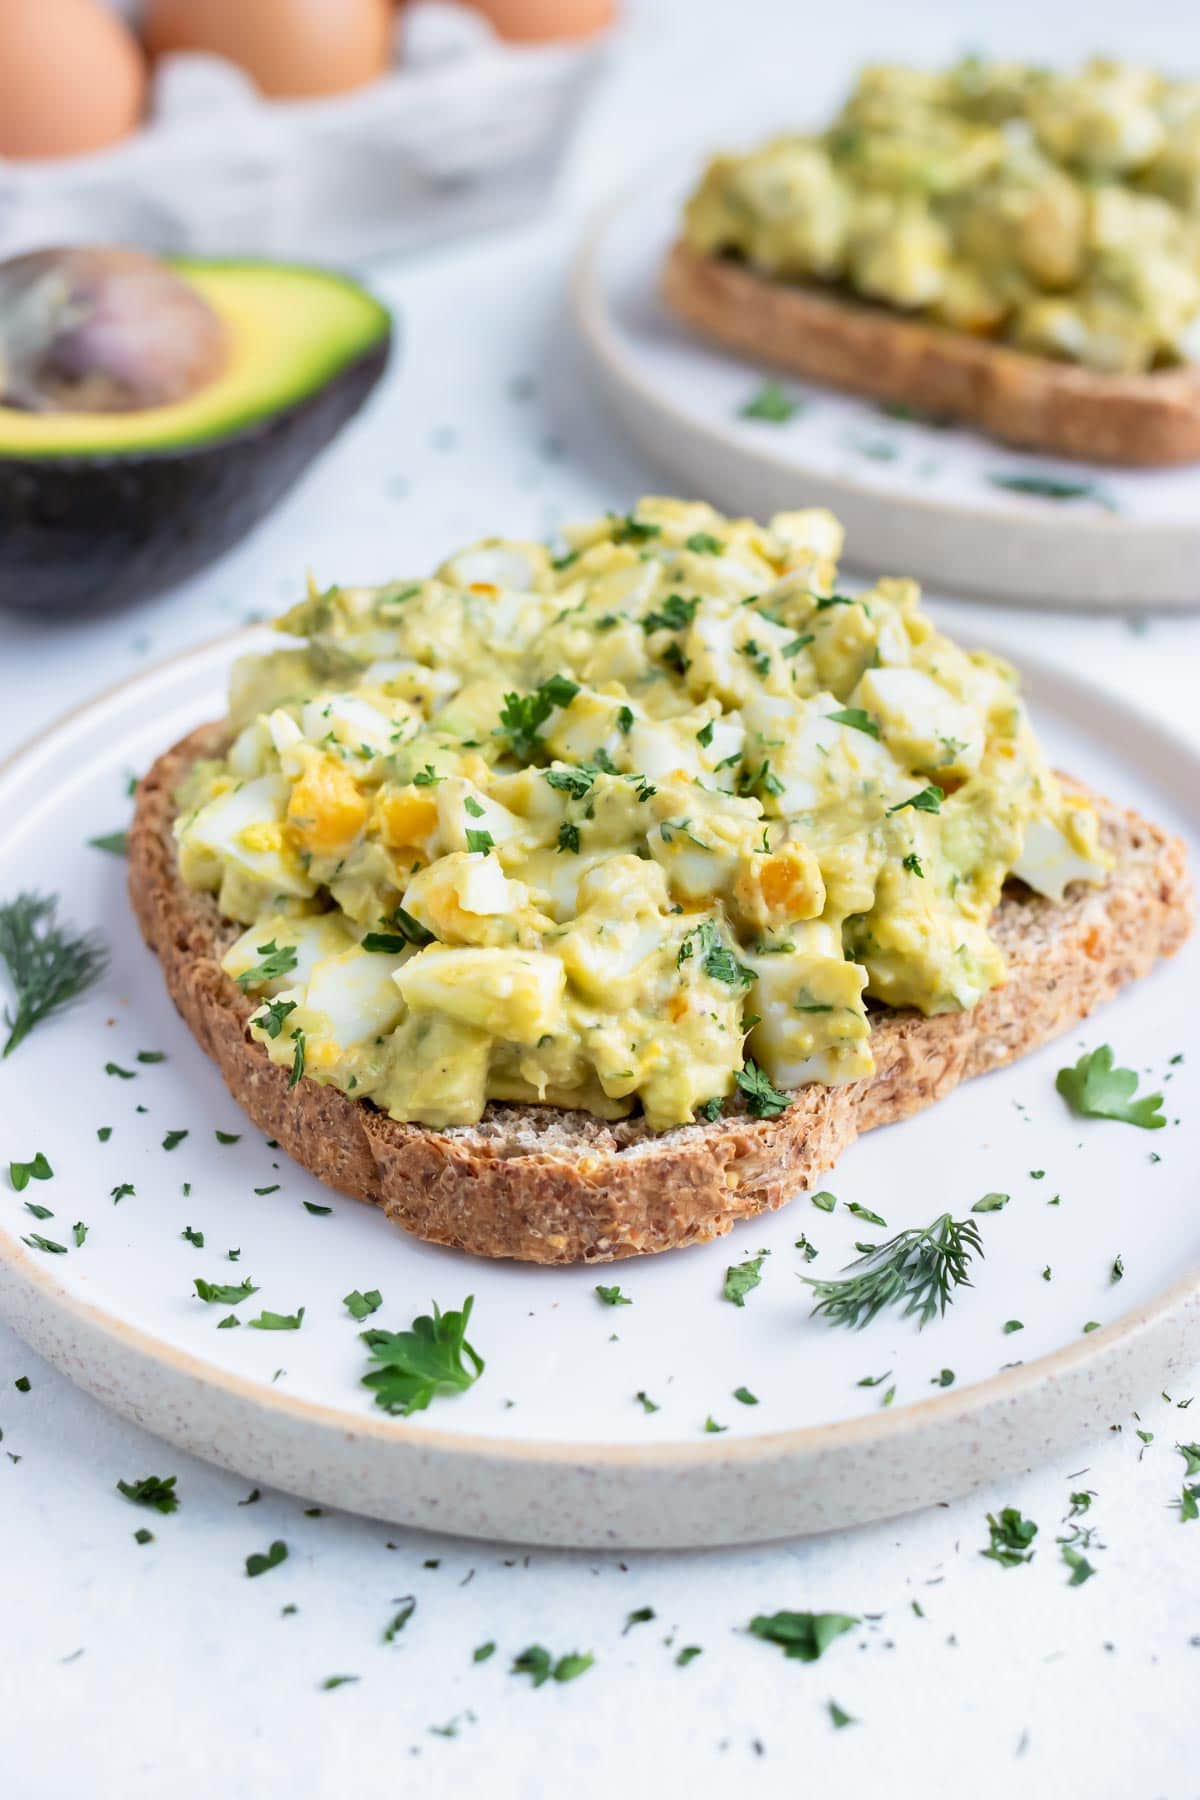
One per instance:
(128,1671)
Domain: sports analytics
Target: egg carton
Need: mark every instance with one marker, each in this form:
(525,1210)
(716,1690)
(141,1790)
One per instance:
(465,132)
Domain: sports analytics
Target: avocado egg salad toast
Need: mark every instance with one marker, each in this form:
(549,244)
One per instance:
(995,242)
(575,906)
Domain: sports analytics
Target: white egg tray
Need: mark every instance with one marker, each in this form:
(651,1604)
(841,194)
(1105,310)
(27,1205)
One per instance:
(465,131)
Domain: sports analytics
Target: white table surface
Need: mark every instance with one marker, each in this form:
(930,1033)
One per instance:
(130,1671)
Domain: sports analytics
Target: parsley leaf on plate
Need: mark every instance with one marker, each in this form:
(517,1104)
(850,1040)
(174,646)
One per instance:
(152,1490)
(1011,1538)
(612,1296)
(431,1358)
(360,1305)
(742,1278)
(215,1293)
(260,1562)
(22,1173)
(1094,1088)
(804,1636)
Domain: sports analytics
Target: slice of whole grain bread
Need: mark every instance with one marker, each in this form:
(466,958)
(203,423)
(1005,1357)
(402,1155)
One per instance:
(1013,394)
(549,1186)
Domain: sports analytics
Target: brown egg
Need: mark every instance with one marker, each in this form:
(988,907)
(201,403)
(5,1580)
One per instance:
(289,48)
(72,78)
(536,21)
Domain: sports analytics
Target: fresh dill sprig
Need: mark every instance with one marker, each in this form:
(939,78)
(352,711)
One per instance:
(918,1267)
(48,964)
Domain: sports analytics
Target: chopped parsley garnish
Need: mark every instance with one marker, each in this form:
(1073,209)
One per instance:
(1081,1569)
(541,1666)
(22,1173)
(575,782)
(193,1237)
(711,1109)
(215,1293)
(704,736)
(361,1306)
(523,715)
(991,1203)
(389,943)
(631,530)
(912,863)
(647,1404)
(472,806)
(1011,1325)
(152,1490)
(742,1278)
(864,1212)
(298,1040)
(261,1561)
(49,965)
(115,842)
(919,1268)
(1050,487)
(703,543)
(1191,1456)
(480,842)
(1096,1089)
(427,777)
(432,1357)
(408,928)
(929,800)
(122,1191)
(824,1201)
(612,1296)
(112,1068)
(745,1396)
(688,1654)
(717,959)
(273,1321)
(710,1424)
(797,644)
(763,1100)
(568,837)
(1011,1538)
(771,405)
(857,720)
(641,1615)
(804,1636)
(274,961)
(399,1619)
(151,1056)
(36,1241)
(676,615)
(173,1139)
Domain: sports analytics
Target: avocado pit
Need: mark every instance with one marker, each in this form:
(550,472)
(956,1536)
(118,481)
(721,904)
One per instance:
(97,330)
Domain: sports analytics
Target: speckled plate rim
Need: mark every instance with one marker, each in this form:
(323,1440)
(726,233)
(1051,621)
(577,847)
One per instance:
(1113,563)
(673,1495)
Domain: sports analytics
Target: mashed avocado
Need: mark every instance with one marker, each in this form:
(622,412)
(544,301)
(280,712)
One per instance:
(1058,212)
(607,829)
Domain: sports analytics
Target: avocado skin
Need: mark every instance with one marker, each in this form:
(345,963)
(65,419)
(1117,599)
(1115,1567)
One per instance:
(96,533)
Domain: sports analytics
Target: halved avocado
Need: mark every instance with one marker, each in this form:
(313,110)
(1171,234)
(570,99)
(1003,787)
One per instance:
(99,508)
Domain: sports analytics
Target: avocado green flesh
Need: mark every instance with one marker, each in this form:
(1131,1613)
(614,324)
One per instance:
(291,331)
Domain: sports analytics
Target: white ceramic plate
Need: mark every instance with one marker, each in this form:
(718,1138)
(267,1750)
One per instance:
(551,1444)
(915,499)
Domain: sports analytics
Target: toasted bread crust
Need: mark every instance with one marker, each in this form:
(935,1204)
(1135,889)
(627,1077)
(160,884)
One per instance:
(548,1186)
(1150,420)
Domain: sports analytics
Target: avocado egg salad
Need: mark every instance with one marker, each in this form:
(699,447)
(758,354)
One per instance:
(1060,213)
(633,826)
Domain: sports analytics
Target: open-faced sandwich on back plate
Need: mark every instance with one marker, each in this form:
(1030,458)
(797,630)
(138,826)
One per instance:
(575,906)
(995,243)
